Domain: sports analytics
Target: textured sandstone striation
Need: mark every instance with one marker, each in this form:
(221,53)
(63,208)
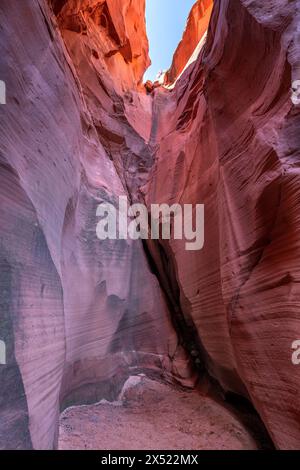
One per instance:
(79,316)
(229,138)
(76,314)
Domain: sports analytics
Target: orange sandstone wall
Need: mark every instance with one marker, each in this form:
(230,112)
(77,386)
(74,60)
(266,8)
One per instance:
(196,27)
(79,316)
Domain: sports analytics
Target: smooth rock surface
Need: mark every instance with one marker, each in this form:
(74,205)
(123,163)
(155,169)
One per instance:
(80,316)
(229,138)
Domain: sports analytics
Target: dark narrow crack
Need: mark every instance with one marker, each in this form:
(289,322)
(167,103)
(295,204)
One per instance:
(162,266)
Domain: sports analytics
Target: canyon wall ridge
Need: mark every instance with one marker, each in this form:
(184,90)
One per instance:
(80,316)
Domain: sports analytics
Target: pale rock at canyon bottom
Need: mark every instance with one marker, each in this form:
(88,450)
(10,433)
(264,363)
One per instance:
(79,316)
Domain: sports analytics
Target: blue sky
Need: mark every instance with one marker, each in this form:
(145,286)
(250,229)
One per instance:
(166,20)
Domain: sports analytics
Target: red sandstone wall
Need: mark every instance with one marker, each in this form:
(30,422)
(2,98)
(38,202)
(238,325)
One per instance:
(77,315)
(229,138)
(78,129)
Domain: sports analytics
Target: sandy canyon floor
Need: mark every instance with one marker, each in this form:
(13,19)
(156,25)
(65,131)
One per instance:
(153,415)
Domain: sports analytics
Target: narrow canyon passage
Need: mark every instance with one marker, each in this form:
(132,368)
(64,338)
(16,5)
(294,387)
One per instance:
(206,332)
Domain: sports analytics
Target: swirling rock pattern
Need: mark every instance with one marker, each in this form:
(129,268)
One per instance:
(229,138)
(79,316)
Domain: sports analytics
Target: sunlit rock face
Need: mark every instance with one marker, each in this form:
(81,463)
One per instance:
(112,31)
(196,28)
(79,315)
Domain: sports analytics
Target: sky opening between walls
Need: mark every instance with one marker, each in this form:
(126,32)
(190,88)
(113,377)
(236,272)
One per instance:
(166,20)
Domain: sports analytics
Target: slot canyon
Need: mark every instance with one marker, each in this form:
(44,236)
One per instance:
(205,333)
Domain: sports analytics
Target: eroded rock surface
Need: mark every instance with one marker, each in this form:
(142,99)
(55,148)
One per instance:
(79,315)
